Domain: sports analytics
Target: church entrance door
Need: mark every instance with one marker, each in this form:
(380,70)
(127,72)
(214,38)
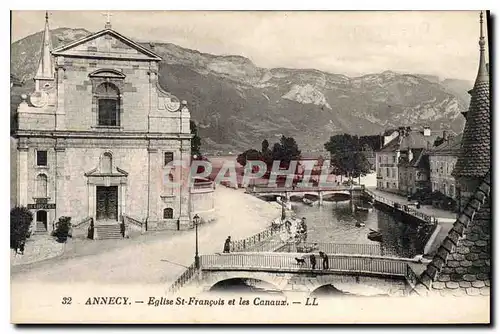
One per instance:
(107,203)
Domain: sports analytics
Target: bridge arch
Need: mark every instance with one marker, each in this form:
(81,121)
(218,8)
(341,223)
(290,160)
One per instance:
(327,290)
(244,285)
(217,281)
(336,196)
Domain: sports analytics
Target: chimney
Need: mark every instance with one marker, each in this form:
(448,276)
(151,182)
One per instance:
(427,131)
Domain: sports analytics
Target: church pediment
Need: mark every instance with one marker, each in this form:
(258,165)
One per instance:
(115,172)
(106,44)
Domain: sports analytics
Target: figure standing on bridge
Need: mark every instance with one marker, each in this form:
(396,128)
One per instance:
(227,245)
(312,259)
(325,259)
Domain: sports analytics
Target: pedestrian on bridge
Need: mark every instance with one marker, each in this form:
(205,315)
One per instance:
(312,259)
(227,245)
(323,256)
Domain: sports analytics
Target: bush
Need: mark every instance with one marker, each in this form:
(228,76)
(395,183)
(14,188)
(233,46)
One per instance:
(61,231)
(20,223)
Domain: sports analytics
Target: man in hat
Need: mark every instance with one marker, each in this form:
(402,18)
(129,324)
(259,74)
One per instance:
(227,245)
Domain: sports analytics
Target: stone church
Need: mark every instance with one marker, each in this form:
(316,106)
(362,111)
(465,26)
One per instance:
(95,137)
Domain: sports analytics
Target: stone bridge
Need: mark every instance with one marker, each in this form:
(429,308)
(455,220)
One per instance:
(319,192)
(281,274)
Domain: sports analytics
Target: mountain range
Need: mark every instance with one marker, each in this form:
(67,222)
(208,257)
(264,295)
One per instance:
(237,104)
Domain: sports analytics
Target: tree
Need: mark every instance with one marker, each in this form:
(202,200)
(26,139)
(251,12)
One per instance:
(61,231)
(346,155)
(196,140)
(265,146)
(20,223)
(267,154)
(285,151)
(248,155)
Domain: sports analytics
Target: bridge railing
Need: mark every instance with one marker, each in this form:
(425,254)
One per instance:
(403,207)
(267,189)
(411,278)
(186,276)
(332,248)
(279,262)
(255,241)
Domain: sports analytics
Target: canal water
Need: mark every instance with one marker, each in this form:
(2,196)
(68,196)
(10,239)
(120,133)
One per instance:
(334,222)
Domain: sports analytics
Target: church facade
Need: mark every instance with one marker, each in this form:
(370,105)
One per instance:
(96,137)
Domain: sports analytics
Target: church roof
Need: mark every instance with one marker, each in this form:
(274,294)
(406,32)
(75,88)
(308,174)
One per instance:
(70,49)
(474,159)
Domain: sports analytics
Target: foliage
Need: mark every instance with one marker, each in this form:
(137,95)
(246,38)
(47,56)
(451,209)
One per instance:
(248,155)
(196,140)
(62,229)
(20,223)
(346,155)
(285,151)
(374,142)
(267,154)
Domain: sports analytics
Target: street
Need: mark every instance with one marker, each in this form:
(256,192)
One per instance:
(158,260)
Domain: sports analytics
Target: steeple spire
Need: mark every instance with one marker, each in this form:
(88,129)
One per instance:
(474,160)
(482,73)
(45,67)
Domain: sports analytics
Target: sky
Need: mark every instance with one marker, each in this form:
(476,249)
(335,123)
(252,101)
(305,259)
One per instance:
(351,43)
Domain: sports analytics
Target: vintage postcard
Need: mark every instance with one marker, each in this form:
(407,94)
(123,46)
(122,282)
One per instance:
(250,167)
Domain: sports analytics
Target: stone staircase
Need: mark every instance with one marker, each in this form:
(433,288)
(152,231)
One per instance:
(108,231)
(40,228)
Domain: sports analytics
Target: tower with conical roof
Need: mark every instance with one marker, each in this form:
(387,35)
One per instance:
(474,159)
(45,71)
(462,263)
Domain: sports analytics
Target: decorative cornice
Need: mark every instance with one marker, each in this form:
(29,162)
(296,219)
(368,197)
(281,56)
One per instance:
(101,135)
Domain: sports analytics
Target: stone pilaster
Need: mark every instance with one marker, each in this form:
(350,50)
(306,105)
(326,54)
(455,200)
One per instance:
(184,193)
(60,180)
(22,172)
(154,182)
(60,111)
(92,199)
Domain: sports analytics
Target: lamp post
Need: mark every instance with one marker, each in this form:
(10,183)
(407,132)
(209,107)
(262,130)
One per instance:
(196,221)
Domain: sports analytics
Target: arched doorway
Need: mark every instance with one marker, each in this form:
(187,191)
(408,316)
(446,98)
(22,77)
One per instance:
(41,221)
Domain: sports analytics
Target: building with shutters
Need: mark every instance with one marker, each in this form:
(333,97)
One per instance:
(95,137)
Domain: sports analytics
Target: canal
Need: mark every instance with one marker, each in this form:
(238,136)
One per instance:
(334,222)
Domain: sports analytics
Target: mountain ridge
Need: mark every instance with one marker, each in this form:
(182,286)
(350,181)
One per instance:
(238,104)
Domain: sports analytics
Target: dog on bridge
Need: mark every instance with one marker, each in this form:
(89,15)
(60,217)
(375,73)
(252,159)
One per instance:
(300,261)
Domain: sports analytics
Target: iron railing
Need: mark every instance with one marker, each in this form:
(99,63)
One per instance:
(332,248)
(267,189)
(279,262)
(132,221)
(186,276)
(405,208)
(83,221)
(255,240)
